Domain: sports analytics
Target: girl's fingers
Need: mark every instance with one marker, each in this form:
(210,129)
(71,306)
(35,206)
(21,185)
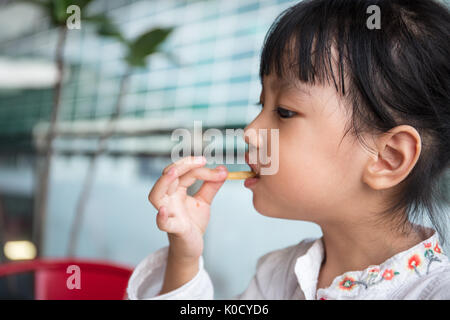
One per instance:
(209,189)
(166,223)
(184,173)
(189,164)
(206,174)
(185,160)
(162,219)
(161,186)
(173,186)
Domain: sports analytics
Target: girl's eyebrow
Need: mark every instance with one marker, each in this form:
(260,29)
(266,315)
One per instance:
(285,84)
(294,85)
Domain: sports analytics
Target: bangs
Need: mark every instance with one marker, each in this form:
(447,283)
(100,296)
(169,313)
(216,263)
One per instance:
(306,43)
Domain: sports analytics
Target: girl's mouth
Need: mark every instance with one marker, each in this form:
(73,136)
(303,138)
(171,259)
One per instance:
(249,182)
(255,168)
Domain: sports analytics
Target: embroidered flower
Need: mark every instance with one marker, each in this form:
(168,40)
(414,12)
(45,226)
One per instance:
(388,274)
(372,275)
(374,270)
(427,244)
(413,262)
(347,283)
(437,249)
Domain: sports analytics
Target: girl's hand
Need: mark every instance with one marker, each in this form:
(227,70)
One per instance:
(185,217)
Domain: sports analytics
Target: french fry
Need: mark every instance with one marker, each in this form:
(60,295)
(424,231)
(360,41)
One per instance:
(237,175)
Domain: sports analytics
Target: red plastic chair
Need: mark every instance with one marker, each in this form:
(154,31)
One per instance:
(99,280)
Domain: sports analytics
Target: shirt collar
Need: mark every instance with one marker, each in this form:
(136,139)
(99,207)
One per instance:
(407,265)
(307,269)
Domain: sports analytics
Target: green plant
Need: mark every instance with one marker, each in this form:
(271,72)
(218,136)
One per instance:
(138,50)
(56,10)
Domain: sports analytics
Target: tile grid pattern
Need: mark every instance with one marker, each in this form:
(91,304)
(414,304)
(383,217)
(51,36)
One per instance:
(216,45)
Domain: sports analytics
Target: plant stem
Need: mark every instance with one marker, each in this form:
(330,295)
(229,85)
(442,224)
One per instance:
(44,172)
(90,174)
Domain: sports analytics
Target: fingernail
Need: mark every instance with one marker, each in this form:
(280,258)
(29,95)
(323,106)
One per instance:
(171,171)
(222,173)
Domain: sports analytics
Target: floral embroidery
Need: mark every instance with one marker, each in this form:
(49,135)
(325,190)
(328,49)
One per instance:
(414,262)
(347,284)
(372,275)
(437,249)
(388,274)
(418,260)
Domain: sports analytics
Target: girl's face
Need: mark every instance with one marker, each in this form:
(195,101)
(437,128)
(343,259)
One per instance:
(318,175)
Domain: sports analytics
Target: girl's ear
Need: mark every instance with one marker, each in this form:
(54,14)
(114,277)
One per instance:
(397,153)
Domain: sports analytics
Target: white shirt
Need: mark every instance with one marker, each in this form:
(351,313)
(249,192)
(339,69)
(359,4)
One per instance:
(421,272)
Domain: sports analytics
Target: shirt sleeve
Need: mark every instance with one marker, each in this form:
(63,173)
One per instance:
(147,280)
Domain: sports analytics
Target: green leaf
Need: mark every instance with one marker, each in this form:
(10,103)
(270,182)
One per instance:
(105,27)
(59,11)
(146,44)
(135,61)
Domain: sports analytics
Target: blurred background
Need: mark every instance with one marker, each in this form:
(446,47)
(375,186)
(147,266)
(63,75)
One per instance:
(131,74)
(86,116)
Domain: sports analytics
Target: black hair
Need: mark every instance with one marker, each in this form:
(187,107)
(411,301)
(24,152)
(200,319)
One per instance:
(397,74)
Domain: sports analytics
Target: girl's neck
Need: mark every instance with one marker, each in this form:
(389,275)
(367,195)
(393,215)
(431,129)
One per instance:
(354,248)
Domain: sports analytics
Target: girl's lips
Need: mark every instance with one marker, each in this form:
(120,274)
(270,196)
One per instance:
(254,169)
(249,182)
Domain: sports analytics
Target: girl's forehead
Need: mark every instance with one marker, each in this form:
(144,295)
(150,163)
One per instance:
(274,83)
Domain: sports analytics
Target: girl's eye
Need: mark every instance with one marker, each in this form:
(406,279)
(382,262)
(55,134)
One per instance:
(284,113)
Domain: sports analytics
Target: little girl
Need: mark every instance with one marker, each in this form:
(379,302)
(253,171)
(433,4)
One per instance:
(364,144)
